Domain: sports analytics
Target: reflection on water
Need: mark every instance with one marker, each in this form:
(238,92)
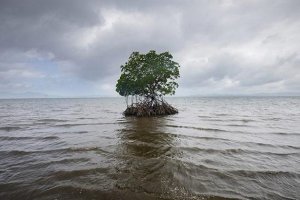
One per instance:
(146,151)
(215,148)
(146,137)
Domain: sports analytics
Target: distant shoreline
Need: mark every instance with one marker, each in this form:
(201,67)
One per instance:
(217,96)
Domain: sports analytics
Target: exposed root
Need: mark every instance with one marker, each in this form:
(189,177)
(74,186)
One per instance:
(147,109)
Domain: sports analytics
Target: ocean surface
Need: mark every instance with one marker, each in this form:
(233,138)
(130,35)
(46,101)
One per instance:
(215,148)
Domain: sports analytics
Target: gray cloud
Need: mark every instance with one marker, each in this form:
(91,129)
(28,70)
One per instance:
(243,47)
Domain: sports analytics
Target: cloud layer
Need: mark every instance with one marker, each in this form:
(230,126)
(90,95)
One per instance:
(75,48)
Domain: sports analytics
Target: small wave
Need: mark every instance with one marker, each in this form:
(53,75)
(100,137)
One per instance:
(228,120)
(244,120)
(28,138)
(10,128)
(52,120)
(284,133)
(14,153)
(221,114)
(236,151)
(108,111)
(252,144)
(273,119)
(214,120)
(81,132)
(271,145)
(64,150)
(15,138)
(205,138)
(249,173)
(71,132)
(83,149)
(57,110)
(238,125)
(61,175)
(88,124)
(49,138)
(67,161)
(86,118)
(198,128)
(4,116)
(204,116)
(70,125)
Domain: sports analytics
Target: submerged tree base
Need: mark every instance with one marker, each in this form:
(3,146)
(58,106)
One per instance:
(146,109)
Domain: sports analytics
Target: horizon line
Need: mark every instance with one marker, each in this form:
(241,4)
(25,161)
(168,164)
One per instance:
(184,96)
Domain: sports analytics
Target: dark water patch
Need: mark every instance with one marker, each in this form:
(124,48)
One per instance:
(14,190)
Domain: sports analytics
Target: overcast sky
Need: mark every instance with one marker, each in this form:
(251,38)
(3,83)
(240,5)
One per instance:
(75,48)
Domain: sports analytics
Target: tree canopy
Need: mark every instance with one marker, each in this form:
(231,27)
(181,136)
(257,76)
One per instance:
(150,75)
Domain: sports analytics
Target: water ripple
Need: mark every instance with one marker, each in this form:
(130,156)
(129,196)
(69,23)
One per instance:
(215,148)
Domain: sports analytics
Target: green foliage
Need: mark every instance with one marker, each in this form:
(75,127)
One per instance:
(149,75)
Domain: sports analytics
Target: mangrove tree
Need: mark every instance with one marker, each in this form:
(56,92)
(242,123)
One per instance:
(145,80)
